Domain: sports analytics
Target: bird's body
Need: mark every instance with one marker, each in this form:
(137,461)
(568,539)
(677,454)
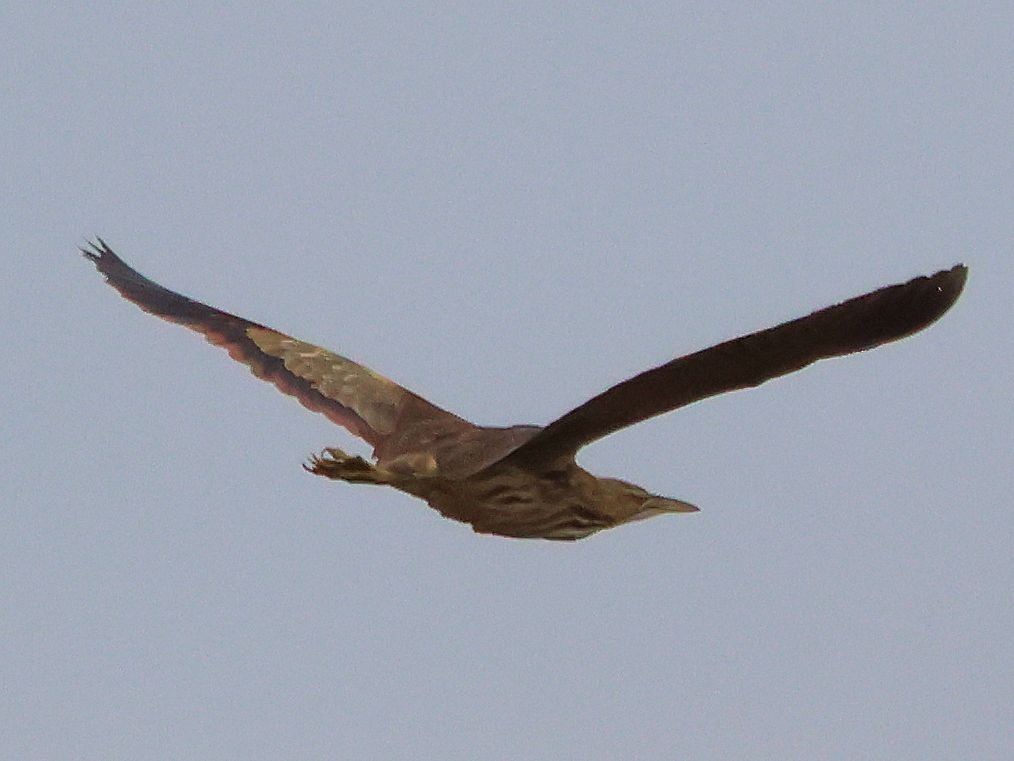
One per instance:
(566,502)
(523,481)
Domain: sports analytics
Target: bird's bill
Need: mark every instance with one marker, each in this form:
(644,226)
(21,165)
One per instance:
(660,505)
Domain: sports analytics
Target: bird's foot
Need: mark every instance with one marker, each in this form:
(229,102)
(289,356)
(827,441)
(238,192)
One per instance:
(336,464)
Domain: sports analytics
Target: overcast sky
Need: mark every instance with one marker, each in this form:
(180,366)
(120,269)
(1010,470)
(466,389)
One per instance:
(505,209)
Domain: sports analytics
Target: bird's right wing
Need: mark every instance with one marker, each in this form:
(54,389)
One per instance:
(378,410)
(861,323)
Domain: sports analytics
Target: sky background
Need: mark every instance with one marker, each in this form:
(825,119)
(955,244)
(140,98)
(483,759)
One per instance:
(506,209)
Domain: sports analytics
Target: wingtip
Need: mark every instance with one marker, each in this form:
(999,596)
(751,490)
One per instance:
(950,284)
(958,273)
(95,251)
(101,255)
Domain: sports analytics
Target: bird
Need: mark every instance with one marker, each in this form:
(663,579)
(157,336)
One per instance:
(523,481)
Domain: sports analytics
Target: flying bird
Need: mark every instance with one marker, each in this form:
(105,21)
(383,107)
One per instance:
(523,480)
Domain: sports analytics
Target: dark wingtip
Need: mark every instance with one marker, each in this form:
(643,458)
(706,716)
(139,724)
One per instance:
(90,251)
(901,310)
(117,272)
(98,252)
(957,275)
(949,285)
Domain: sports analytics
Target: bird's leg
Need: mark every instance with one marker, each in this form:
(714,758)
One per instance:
(336,464)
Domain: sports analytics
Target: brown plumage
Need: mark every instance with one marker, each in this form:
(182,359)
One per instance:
(523,481)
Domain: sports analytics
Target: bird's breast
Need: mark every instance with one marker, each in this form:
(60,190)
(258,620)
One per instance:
(514,502)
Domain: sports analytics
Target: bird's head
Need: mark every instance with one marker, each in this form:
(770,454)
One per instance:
(641,504)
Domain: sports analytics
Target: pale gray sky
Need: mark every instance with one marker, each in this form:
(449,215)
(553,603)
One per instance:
(505,209)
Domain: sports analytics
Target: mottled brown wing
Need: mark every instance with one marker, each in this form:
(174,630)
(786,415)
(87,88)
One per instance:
(855,325)
(369,405)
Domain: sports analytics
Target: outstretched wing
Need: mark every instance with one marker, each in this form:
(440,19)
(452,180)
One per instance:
(392,419)
(854,325)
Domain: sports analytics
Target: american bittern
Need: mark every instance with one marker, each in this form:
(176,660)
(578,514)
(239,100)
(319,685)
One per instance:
(523,481)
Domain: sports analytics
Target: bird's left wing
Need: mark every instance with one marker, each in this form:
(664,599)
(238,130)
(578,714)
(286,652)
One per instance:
(855,325)
(369,405)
